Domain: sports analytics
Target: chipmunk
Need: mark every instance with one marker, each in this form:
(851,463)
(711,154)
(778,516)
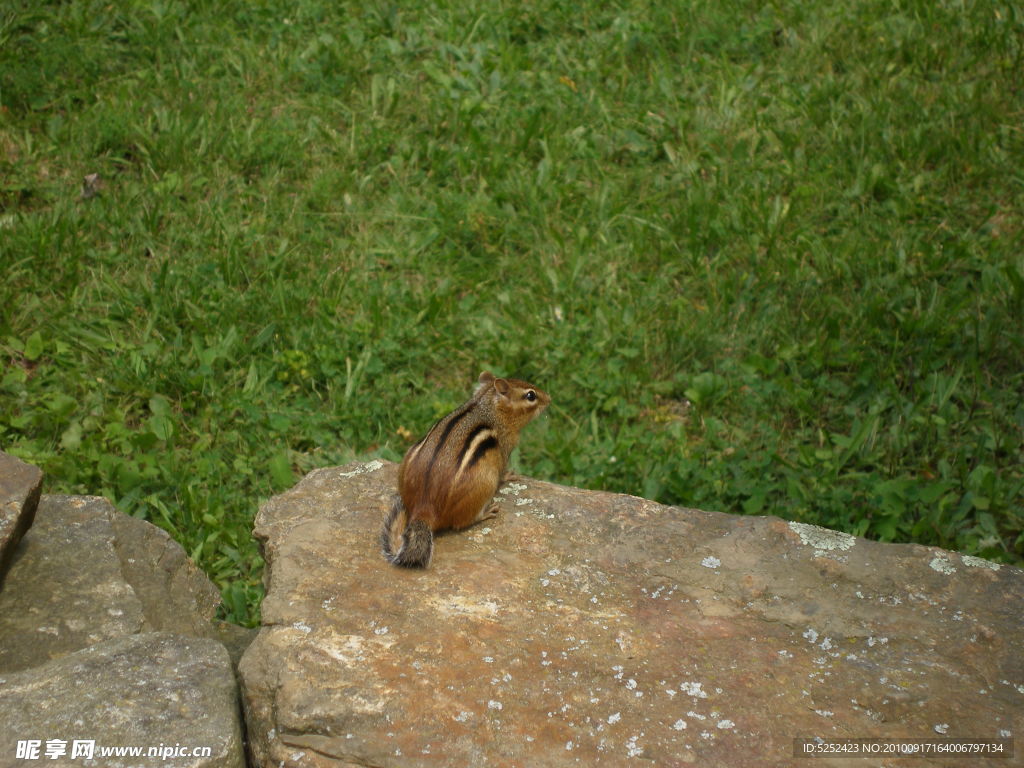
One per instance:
(448,478)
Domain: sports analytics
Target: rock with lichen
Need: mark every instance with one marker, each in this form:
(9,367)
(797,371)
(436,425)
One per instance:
(583,628)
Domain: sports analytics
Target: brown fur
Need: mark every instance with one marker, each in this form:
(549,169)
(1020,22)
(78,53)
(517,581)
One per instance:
(448,478)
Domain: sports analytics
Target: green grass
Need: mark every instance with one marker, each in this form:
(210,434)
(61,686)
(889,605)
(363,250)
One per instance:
(766,258)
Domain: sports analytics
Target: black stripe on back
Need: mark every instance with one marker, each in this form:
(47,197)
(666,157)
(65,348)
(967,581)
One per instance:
(472,436)
(482,449)
(452,421)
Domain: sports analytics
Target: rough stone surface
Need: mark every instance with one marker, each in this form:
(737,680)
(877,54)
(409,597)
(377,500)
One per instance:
(175,595)
(146,690)
(584,628)
(234,638)
(20,485)
(85,573)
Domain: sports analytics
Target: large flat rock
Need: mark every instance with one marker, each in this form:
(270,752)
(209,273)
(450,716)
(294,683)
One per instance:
(585,628)
(20,486)
(85,573)
(159,691)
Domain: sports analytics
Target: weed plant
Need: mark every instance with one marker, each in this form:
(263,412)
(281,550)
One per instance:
(766,257)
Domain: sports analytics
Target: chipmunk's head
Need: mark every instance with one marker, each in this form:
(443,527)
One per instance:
(516,400)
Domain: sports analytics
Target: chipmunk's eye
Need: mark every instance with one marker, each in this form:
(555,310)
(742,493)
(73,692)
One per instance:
(531,395)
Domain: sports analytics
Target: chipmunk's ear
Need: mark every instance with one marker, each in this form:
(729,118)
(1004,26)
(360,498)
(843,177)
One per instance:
(502,387)
(485,378)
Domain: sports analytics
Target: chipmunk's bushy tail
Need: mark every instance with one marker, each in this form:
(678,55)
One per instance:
(409,545)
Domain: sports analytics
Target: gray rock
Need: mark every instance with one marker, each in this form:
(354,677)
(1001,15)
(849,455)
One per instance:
(151,690)
(235,638)
(585,628)
(175,595)
(85,573)
(20,484)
